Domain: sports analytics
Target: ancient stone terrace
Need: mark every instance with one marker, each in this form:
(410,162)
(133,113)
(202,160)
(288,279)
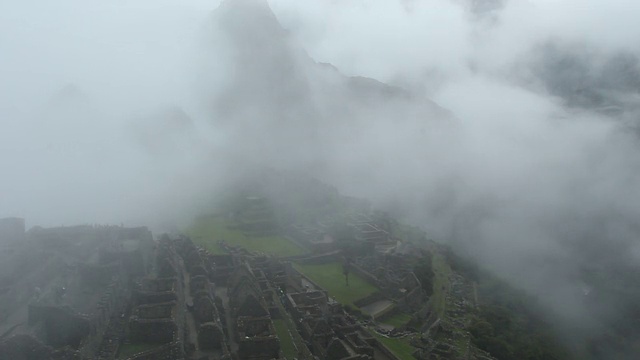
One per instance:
(255,334)
(256,218)
(103,294)
(316,238)
(264,289)
(396,280)
(156,323)
(313,302)
(220,267)
(329,332)
(366,230)
(68,285)
(159,290)
(174,313)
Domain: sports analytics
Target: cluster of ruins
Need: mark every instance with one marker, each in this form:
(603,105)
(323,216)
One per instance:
(317,236)
(104,292)
(110,292)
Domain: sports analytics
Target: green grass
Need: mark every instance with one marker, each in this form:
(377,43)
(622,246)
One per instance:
(399,347)
(441,271)
(461,344)
(207,231)
(330,277)
(128,350)
(298,343)
(286,342)
(397,320)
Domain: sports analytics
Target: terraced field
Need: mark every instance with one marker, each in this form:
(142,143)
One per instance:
(330,277)
(207,231)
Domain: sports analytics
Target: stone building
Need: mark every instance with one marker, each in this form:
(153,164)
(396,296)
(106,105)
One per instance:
(328,331)
(64,293)
(255,333)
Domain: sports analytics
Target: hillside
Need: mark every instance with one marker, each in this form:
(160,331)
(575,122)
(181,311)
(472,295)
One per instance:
(303,273)
(364,258)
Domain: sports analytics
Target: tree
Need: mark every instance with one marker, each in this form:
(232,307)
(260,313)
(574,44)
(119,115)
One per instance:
(346,266)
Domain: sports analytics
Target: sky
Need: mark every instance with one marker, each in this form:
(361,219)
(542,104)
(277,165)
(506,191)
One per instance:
(128,112)
(128,60)
(68,156)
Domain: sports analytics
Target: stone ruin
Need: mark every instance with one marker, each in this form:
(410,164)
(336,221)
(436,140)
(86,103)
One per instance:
(64,295)
(107,292)
(329,332)
(395,279)
(255,333)
(155,323)
(175,306)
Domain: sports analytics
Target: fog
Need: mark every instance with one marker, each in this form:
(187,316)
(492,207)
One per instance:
(507,129)
(81,83)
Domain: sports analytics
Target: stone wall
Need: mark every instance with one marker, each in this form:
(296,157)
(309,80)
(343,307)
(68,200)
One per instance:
(320,259)
(159,331)
(376,296)
(259,348)
(159,284)
(155,323)
(220,267)
(385,350)
(95,276)
(356,269)
(210,336)
(146,297)
(156,311)
(62,326)
(171,351)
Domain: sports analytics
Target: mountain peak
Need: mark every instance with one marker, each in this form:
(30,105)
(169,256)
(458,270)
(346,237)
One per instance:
(249,17)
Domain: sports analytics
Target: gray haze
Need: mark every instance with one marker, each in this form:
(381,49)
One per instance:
(505,128)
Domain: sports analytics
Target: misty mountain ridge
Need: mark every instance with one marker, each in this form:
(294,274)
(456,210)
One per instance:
(286,100)
(276,96)
(525,161)
(584,78)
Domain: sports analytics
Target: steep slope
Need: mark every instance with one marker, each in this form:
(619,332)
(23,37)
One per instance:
(274,97)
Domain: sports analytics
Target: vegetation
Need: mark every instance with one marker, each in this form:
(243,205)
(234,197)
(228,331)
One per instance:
(298,347)
(441,271)
(286,341)
(400,347)
(397,320)
(507,333)
(614,284)
(207,231)
(355,311)
(508,324)
(424,272)
(330,276)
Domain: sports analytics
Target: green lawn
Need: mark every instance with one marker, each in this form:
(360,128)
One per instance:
(397,320)
(286,342)
(441,271)
(330,277)
(400,347)
(207,231)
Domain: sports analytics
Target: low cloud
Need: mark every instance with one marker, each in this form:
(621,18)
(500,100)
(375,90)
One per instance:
(449,114)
